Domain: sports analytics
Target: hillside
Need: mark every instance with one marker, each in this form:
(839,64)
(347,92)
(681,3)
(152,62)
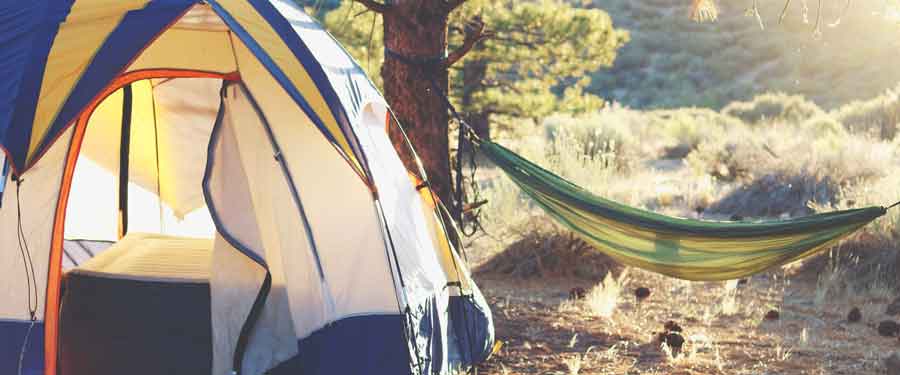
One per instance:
(673,62)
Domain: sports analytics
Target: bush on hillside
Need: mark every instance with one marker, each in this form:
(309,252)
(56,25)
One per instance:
(824,126)
(688,127)
(774,107)
(606,136)
(877,117)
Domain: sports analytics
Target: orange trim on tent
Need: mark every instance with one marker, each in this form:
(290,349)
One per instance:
(54,275)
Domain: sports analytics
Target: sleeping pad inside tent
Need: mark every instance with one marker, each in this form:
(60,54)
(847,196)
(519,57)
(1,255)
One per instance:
(144,300)
(209,188)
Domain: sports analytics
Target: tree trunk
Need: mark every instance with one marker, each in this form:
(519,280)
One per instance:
(418,29)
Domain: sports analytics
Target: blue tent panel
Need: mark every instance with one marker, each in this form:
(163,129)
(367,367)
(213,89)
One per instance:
(12,338)
(27,29)
(372,344)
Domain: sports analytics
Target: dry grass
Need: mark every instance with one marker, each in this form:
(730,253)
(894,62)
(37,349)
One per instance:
(603,298)
(724,329)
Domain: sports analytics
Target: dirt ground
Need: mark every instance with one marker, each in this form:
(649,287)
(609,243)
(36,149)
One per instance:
(544,332)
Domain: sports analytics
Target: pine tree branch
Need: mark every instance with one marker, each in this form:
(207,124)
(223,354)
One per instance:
(475,33)
(374,5)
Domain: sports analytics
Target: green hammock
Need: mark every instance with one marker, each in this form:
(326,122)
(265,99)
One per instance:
(682,248)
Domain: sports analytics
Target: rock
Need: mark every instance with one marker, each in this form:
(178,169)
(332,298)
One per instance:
(773,315)
(642,293)
(892,364)
(854,316)
(893,308)
(888,328)
(577,293)
(671,326)
(674,341)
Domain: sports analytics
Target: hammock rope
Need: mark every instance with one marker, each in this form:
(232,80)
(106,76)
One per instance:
(698,250)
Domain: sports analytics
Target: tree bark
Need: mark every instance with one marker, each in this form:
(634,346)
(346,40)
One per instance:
(418,29)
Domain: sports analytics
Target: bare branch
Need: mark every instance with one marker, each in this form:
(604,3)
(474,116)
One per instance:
(474,33)
(817,31)
(450,5)
(374,5)
(755,10)
(784,11)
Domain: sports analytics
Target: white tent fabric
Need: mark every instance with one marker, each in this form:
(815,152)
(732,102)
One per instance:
(185,111)
(233,288)
(39,197)
(403,210)
(352,260)
(350,82)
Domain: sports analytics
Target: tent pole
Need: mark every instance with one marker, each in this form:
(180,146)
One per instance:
(124,157)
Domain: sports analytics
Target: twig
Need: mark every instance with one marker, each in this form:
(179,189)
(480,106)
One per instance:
(816,29)
(369,45)
(374,5)
(474,33)
(784,11)
(762,26)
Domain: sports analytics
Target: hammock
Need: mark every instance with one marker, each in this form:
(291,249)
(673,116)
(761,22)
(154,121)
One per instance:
(682,248)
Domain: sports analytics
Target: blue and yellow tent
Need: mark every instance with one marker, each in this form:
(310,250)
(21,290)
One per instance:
(190,187)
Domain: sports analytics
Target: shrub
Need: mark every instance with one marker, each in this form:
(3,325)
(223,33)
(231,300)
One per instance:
(824,126)
(774,195)
(605,136)
(545,251)
(773,107)
(690,126)
(878,117)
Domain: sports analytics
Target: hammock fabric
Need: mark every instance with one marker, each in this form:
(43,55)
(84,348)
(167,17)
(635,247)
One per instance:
(682,248)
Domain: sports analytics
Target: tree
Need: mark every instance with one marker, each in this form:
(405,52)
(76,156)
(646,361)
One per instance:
(532,60)
(537,61)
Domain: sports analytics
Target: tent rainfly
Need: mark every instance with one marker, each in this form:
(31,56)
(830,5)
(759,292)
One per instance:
(208,187)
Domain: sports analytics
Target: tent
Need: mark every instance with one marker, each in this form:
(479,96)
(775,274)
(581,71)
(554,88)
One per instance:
(195,187)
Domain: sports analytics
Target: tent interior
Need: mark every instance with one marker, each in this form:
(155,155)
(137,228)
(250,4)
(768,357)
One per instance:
(138,233)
